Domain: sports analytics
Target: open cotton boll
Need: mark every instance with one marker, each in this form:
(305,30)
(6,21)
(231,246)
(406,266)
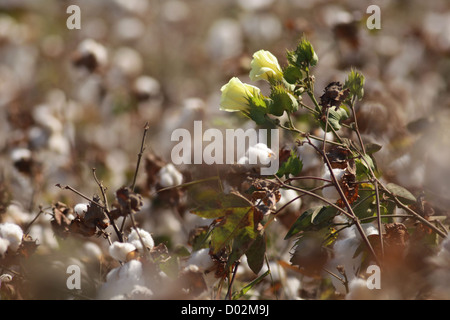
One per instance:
(3,246)
(12,233)
(121,281)
(120,250)
(257,155)
(19,154)
(201,259)
(169,176)
(331,193)
(146,237)
(80,209)
(289,195)
(90,47)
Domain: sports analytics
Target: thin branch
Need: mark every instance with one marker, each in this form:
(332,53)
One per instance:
(141,152)
(67,187)
(106,208)
(380,233)
(349,208)
(352,106)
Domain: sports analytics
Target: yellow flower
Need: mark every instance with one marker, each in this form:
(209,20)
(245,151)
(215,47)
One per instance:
(236,96)
(265,66)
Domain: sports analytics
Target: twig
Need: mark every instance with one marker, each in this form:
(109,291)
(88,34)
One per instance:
(352,106)
(315,196)
(106,208)
(230,284)
(141,152)
(67,187)
(380,233)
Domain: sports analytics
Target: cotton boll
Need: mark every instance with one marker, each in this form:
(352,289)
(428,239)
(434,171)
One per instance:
(146,87)
(80,209)
(289,195)
(262,153)
(170,176)
(92,251)
(175,10)
(120,250)
(358,290)
(225,39)
(129,29)
(331,193)
(45,237)
(276,270)
(140,293)
(253,5)
(15,214)
(3,246)
(201,259)
(146,237)
(257,155)
(129,61)
(13,233)
(91,48)
(121,281)
(19,154)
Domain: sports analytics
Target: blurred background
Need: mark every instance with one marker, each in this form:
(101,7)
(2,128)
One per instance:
(71,100)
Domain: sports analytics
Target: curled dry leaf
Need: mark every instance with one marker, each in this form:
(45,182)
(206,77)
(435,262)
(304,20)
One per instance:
(61,222)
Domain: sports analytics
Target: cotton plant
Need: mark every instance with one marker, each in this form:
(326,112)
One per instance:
(343,226)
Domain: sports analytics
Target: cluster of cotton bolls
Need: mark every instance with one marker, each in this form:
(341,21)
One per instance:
(128,281)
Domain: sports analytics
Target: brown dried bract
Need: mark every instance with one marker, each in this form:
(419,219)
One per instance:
(333,96)
(127,202)
(60,222)
(267,191)
(153,164)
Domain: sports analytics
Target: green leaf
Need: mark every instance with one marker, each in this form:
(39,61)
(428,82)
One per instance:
(235,223)
(401,193)
(213,203)
(365,206)
(363,166)
(313,219)
(334,119)
(292,166)
(372,148)
(255,254)
(325,214)
(245,289)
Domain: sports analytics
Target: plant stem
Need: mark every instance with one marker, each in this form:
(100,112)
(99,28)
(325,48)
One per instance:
(141,152)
